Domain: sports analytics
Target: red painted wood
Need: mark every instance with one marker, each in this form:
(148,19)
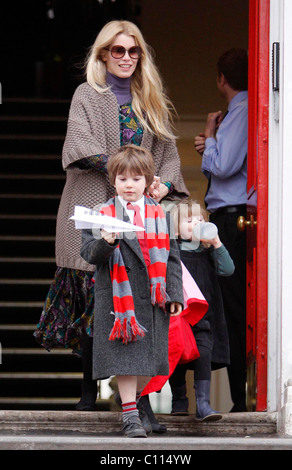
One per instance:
(262,206)
(257,188)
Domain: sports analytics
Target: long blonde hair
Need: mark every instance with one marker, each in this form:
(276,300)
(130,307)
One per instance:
(147,90)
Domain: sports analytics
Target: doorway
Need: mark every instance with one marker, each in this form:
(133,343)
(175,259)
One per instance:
(256,224)
(198,96)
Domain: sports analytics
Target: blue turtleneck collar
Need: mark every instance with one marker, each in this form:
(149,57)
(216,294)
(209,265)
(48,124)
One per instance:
(121,87)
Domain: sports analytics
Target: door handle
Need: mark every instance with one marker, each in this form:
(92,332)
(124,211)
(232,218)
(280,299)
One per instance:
(242,223)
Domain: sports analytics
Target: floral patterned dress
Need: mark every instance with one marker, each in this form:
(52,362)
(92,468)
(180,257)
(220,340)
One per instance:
(69,306)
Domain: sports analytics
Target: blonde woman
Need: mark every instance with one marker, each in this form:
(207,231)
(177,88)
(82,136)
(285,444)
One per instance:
(122,102)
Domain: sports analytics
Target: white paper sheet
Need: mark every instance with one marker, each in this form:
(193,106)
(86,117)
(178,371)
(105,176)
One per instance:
(88,218)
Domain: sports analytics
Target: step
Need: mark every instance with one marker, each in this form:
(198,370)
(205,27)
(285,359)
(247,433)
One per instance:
(35,107)
(27,267)
(36,262)
(107,423)
(28,124)
(29,204)
(161,449)
(38,359)
(31,184)
(26,289)
(40,384)
(50,404)
(38,403)
(37,144)
(29,163)
(26,245)
(21,311)
(28,224)
(18,336)
(48,376)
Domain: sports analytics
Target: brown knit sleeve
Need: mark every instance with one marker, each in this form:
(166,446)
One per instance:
(168,167)
(82,140)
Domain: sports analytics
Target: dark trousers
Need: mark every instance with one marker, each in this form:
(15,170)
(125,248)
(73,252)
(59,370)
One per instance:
(234,299)
(201,365)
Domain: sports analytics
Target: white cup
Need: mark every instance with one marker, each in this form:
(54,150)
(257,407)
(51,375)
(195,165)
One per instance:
(205,231)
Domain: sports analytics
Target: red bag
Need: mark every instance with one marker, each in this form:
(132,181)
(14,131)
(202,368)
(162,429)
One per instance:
(182,349)
(190,351)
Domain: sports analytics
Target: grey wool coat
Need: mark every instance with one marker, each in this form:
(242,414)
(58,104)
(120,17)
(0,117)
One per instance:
(149,355)
(93,129)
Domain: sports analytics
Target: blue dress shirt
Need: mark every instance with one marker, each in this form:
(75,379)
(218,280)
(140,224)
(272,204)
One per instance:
(225,157)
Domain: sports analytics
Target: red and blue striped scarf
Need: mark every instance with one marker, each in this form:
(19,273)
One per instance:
(126,327)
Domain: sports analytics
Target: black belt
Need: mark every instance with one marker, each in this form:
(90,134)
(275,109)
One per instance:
(229,210)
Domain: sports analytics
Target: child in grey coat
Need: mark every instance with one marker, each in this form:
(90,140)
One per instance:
(138,280)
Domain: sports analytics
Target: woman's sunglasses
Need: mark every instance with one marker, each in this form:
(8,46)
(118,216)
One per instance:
(118,52)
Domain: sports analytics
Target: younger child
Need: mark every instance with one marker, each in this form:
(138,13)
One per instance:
(204,260)
(138,285)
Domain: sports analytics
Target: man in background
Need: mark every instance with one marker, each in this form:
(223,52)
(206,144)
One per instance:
(223,146)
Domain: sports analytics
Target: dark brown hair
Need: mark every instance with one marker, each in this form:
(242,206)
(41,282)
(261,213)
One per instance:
(137,160)
(233,64)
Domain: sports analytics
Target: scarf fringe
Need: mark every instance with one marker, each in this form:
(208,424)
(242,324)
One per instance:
(158,295)
(129,330)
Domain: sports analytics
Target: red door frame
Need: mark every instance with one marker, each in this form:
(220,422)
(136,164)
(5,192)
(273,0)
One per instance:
(257,188)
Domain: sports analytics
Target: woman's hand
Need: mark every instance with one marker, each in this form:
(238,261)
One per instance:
(153,189)
(157,190)
(163,191)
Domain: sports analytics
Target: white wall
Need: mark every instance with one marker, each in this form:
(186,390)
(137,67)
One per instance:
(287,194)
(275,221)
(280,224)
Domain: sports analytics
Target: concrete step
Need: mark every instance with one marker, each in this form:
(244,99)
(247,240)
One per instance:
(65,430)
(30,163)
(156,449)
(28,224)
(26,288)
(36,107)
(34,143)
(31,183)
(37,359)
(33,124)
(20,311)
(25,245)
(15,203)
(231,424)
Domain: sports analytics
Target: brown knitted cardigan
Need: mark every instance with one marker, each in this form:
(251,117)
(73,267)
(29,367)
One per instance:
(93,128)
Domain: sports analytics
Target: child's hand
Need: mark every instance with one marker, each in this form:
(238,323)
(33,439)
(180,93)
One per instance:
(175,309)
(108,237)
(216,242)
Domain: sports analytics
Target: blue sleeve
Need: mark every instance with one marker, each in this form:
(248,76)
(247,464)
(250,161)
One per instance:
(225,154)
